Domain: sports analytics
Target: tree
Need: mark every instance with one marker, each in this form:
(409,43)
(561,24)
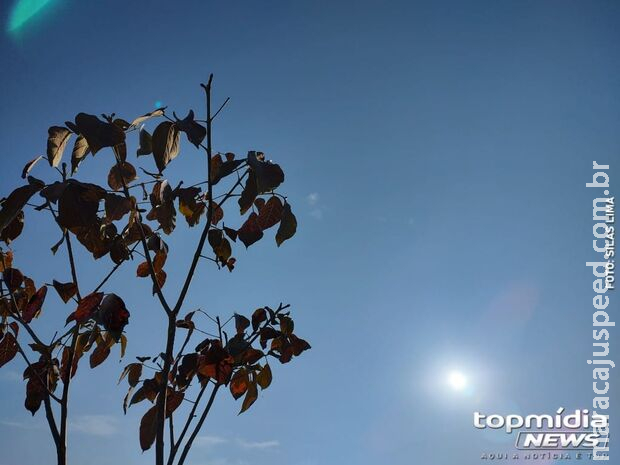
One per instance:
(111,222)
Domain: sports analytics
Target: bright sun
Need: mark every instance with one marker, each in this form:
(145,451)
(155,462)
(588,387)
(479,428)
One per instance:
(457,380)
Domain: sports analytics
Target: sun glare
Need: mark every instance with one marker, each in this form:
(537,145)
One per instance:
(457,380)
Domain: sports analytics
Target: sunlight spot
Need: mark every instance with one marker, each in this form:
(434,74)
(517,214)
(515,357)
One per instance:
(457,380)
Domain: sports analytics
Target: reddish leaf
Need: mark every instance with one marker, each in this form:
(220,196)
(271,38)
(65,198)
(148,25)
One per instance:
(86,307)
(13,278)
(264,377)
(65,290)
(35,389)
(271,213)
(239,383)
(217,213)
(259,315)
(148,428)
(143,270)
(8,348)
(173,400)
(251,356)
(33,308)
(250,231)
(249,193)
(6,260)
(298,345)
(250,397)
(288,225)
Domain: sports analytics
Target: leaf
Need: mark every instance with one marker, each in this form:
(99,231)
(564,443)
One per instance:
(98,134)
(189,206)
(220,169)
(249,193)
(146,143)
(86,307)
(143,270)
(271,213)
(33,308)
(16,200)
(80,150)
(239,383)
(117,206)
(268,175)
(217,213)
(121,175)
(232,233)
(141,119)
(29,166)
(194,131)
(173,401)
(35,389)
(8,348)
(241,323)
(250,397)
(250,231)
(286,325)
(264,377)
(78,204)
(221,246)
(65,290)
(57,139)
(13,229)
(163,206)
(259,315)
(113,315)
(6,260)
(165,144)
(13,278)
(123,345)
(298,345)
(148,428)
(100,353)
(133,371)
(288,225)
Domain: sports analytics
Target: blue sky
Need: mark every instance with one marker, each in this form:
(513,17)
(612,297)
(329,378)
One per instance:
(436,156)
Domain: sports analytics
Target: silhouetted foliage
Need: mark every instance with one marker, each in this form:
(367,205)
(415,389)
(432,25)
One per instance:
(128,221)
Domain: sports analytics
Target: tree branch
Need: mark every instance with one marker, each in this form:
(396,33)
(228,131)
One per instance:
(190,441)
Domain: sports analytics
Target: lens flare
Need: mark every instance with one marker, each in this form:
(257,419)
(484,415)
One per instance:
(23,12)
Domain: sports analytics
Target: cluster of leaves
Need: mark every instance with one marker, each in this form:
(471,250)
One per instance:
(101,320)
(129,217)
(239,362)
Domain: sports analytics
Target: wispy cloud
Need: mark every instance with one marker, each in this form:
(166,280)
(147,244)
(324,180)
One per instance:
(258,444)
(313,201)
(209,441)
(313,198)
(95,425)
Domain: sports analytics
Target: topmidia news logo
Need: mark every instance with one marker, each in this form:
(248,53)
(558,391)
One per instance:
(579,430)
